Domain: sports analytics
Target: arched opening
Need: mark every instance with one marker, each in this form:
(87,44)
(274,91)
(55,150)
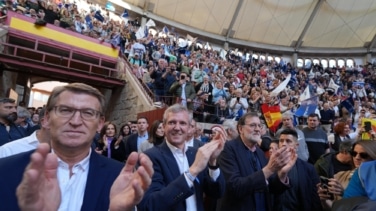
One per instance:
(40,93)
(324,63)
(300,63)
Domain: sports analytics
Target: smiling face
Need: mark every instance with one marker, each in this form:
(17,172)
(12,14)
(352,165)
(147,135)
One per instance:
(176,126)
(73,133)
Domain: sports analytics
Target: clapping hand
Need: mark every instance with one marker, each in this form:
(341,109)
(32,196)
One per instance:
(39,188)
(129,187)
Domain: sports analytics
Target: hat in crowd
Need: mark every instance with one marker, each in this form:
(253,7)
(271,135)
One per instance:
(136,54)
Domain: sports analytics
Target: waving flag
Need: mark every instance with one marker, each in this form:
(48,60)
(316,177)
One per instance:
(333,85)
(307,107)
(272,115)
(165,30)
(305,95)
(280,87)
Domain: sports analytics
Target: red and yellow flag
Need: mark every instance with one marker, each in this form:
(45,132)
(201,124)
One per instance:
(272,115)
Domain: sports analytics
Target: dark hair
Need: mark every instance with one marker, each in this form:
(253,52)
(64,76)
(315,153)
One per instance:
(288,131)
(7,100)
(142,117)
(103,131)
(153,130)
(121,132)
(345,146)
(313,115)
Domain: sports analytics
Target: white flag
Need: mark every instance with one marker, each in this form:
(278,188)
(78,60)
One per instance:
(150,23)
(190,38)
(280,87)
(140,32)
(333,86)
(305,95)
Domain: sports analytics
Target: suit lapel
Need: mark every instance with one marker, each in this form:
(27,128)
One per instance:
(93,184)
(170,160)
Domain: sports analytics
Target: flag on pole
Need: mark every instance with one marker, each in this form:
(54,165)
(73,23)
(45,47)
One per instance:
(190,38)
(165,30)
(305,95)
(333,85)
(280,87)
(307,107)
(272,115)
(150,23)
(140,33)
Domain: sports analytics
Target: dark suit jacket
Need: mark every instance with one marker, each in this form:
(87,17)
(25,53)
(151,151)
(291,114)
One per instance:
(307,189)
(241,180)
(101,175)
(131,145)
(169,188)
(197,143)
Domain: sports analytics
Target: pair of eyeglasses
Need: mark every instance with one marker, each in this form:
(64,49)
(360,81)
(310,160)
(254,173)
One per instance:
(68,112)
(362,155)
(254,125)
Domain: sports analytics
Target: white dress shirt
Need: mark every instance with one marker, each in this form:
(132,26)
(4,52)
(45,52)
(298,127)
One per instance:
(72,187)
(182,161)
(20,145)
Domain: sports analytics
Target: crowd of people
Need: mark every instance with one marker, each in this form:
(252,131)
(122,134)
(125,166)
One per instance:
(77,158)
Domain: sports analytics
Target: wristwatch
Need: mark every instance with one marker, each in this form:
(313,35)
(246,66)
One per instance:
(190,176)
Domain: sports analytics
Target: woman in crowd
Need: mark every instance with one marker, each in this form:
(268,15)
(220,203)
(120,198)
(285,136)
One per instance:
(156,136)
(109,145)
(125,131)
(362,151)
(341,133)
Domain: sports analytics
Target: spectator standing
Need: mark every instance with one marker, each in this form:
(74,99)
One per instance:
(333,162)
(109,145)
(184,91)
(250,177)
(287,123)
(73,114)
(316,139)
(135,140)
(9,131)
(156,136)
(183,174)
(327,117)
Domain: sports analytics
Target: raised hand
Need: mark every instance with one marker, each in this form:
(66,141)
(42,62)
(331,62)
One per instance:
(277,161)
(219,136)
(282,173)
(129,187)
(39,189)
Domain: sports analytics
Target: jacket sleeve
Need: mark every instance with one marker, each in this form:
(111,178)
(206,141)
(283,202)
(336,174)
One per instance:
(237,184)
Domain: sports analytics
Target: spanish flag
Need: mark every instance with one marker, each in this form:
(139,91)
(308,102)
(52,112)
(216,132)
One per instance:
(272,115)
(366,135)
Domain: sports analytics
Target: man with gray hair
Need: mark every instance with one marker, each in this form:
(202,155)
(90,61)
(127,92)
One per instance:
(8,115)
(23,115)
(287,123)
(230,127)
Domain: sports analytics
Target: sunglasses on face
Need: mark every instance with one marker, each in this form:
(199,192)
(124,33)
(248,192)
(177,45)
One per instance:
(362,155)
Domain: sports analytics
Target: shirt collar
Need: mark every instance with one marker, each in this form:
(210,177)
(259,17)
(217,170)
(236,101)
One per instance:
(176,150)
(83,165)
